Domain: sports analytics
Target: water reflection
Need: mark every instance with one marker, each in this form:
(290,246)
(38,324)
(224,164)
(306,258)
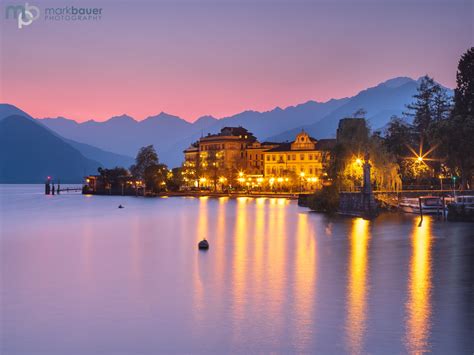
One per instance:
(202,231)
(305,270)
(418,306)
(357,286)
(239,267)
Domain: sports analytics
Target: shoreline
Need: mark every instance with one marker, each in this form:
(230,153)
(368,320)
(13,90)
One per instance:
(290,196)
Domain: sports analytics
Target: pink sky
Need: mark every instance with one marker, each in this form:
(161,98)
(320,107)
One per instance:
(193,58)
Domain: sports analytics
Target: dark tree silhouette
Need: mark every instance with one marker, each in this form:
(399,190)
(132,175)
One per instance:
(146,158)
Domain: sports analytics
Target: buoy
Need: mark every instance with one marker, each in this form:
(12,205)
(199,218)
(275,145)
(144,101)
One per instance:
(203,244)
(120,206)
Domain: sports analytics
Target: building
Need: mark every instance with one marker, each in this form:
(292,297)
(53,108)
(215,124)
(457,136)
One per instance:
(305,157)
(234,156)
(254,156)
(217,157)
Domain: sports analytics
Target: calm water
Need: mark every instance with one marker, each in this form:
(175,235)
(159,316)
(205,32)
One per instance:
(80,276)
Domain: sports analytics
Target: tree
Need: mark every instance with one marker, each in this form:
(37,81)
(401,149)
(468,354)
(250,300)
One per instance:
(456,133)
(177,179)
(421,108)
(464,92)
(155,177)
(431,107)
(113,178)
(146,158)
(354,139)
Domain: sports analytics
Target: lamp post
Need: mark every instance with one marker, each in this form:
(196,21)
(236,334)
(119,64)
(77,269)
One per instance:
(301,181)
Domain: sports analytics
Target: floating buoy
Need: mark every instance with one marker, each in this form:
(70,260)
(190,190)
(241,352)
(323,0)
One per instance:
(120,206)
(203,244)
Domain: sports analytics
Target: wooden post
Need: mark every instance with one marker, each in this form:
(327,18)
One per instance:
(444,209)
(421,210)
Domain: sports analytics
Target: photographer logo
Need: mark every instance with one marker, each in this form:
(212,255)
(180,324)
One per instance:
(24,14)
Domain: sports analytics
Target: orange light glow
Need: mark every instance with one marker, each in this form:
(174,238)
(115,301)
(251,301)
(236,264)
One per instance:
(357,286)
(418,306)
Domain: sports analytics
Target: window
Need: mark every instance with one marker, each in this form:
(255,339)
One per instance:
(268,158)
(311,157)
(273,157)
(301,156)
(294,156)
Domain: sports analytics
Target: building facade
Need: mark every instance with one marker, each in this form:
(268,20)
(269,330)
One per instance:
(306,157)
(234,156)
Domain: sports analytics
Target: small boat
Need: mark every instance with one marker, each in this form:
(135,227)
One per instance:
(429,204)
(463,200)
(120,206)
(203,244)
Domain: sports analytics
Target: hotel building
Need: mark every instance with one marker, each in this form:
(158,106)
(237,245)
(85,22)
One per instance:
(235,152)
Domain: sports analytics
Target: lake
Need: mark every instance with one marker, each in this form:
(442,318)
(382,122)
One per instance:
(80,276)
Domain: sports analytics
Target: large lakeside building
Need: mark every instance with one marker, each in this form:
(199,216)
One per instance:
(235,156)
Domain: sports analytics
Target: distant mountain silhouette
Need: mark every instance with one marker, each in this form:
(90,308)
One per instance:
(381,103)
(29,153)
(171,134)
(105,158)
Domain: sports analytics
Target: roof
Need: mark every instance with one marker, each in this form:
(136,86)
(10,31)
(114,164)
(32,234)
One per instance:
(322,144)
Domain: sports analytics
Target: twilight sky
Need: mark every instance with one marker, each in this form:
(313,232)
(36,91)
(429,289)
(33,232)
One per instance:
(192,58)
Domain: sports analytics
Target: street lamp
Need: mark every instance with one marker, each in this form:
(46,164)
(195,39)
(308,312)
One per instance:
(302,174)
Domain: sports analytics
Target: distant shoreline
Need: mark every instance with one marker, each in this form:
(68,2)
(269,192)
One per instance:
(291,196)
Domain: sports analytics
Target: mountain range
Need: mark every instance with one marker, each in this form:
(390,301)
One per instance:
(113,142)
(171,134)
(29,152)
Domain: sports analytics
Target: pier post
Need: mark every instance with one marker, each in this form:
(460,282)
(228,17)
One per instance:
(47,187)
(444,209)
(421,210)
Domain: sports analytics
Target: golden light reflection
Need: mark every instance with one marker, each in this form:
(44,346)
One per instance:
(275,262)
(239,267)
(202,231)
(258,267)
(305,282)
(357,287)
(418,306)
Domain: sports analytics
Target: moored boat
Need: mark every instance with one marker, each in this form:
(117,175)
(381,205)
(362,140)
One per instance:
(429,205)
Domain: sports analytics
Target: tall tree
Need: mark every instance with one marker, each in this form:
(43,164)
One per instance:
(457,132)
(146,158)
(464,92)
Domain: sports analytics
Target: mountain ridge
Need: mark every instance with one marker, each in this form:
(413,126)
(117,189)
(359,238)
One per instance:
(171,134)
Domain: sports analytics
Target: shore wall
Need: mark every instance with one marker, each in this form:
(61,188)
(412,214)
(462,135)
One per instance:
(357,204)
(460,213)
